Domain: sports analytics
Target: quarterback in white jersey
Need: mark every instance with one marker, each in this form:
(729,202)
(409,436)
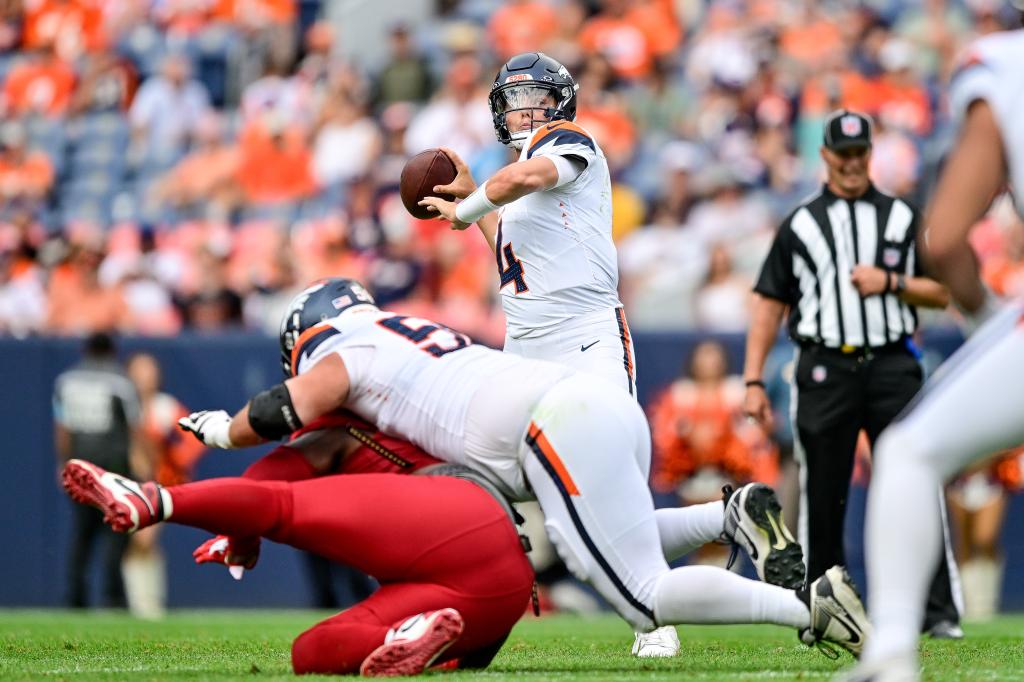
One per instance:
(970,409)
(536,429)
(548,217)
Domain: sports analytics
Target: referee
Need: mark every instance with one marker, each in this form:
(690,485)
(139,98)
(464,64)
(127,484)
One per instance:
(845,264)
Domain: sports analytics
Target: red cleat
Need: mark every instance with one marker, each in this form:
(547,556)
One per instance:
(414,645)
(127,506)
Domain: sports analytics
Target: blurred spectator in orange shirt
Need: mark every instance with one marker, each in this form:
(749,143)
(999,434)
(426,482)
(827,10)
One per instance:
(78,303)
(904,103)
(173,457)
(207,174)
(612,34)
(275,164)
(701,440)
(521,26)
(256,13)
(24,175)
(602,112)
(70,26)
(42,84)
(811,37)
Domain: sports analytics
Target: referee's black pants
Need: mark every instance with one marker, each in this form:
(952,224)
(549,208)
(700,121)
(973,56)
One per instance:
(837,395)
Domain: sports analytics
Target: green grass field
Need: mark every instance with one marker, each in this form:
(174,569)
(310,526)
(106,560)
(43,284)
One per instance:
(254,645)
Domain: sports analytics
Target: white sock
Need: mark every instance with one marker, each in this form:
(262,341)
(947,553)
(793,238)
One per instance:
(904,535)
(168,501)
(706,594)
(684,529)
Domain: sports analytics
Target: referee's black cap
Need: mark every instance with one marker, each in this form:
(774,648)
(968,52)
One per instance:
(845,129)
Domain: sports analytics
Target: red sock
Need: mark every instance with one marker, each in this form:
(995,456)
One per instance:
(232,506)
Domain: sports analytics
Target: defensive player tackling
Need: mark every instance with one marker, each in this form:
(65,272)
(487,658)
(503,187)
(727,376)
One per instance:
(533,428)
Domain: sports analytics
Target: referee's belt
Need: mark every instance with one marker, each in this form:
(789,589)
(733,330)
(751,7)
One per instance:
(854,351)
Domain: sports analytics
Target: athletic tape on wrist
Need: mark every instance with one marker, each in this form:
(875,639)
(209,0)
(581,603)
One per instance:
(475,206)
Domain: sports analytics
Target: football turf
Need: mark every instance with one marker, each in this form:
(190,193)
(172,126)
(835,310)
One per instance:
(254,645)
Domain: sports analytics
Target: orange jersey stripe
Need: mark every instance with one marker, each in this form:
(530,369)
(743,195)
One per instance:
(556,126)
(303,339)
(549,452)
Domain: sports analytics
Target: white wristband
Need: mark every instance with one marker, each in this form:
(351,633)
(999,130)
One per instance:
(475,206)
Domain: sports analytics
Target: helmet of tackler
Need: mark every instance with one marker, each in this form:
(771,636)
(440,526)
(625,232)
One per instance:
(530,72)
(320,301)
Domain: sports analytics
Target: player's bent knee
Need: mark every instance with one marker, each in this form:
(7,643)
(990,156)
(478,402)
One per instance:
(315,652)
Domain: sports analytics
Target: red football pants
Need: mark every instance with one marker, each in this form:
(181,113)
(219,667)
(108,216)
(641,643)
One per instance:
(432,542)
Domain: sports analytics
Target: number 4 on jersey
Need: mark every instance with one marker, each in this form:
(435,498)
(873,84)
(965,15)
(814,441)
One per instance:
(514,271)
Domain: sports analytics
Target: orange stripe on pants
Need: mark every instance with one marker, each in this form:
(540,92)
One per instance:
(538,437)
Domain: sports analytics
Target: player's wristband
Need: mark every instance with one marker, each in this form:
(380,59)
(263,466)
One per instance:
(753,382)
(475,206)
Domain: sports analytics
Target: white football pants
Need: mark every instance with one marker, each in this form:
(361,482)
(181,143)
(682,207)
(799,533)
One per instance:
(970,409)
(586,456)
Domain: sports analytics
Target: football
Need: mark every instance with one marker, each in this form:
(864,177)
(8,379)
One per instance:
(421,173)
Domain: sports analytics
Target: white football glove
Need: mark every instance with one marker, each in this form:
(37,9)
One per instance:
(210,427)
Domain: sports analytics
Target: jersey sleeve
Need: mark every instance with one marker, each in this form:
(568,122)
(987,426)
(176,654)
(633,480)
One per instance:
(312,346)
(973,79)
(777,280)
(563,138)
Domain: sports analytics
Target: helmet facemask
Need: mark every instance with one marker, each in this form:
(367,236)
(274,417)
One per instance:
(526,101)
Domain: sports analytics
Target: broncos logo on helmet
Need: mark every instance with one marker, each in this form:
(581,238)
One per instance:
(301,329)
(531,81)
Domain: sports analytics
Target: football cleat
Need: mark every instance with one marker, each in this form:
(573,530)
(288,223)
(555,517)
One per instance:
(946,629)
(127,506)
(660,643)
(413,646)
(837,614)
(894,669)
(753,521)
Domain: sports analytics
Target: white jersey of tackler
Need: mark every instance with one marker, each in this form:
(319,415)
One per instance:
(418,380)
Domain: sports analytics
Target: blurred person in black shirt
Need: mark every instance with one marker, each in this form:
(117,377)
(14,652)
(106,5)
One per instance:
(96,414)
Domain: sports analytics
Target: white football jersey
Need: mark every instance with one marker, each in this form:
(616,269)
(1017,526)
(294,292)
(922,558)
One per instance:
(993,70)
(555,253)
(418,380)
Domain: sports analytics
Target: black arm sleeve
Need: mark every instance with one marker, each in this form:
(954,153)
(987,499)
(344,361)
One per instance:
(272,415)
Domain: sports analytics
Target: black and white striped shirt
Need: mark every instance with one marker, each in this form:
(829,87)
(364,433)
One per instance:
(812,257)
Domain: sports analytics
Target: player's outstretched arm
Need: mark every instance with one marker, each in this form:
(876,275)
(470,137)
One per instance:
(974,174)
(512,182)
(277,412)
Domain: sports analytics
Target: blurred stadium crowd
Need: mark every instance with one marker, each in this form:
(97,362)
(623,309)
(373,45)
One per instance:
(172,164)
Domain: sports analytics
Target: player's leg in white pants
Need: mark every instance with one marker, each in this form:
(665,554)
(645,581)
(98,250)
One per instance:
(968,411)
(586,455)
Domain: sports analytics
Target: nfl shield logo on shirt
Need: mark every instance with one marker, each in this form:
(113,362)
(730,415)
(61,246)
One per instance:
(891,257)
(819,374)
(850,125)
